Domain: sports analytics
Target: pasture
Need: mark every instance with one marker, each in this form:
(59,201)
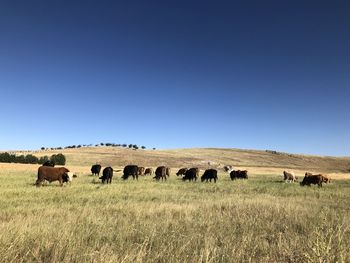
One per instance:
(258,220)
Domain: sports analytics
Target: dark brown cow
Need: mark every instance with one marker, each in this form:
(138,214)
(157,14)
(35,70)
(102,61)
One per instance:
(160,173)
(182,171)
(141,170)
(52,174)
(238,174)
(210,174)
(191,174)
(310,179)
(326,178)
(149,171)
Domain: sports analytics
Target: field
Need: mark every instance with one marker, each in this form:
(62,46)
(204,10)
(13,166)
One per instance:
(258,220)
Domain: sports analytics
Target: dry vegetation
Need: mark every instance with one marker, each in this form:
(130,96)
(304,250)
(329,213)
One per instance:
(258,220)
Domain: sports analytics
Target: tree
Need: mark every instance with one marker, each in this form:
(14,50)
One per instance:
(130,145)
(42,148)
(143,147)
(58,159)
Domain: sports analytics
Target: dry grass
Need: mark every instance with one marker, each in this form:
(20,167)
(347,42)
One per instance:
(259,220)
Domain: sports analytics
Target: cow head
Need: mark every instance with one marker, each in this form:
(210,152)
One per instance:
(66,178)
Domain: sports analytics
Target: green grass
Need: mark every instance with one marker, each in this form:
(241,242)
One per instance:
(259,220)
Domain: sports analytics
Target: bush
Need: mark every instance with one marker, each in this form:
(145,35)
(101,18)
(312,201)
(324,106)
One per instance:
(58,159)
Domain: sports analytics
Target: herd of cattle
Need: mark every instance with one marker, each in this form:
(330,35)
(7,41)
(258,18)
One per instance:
(50,173)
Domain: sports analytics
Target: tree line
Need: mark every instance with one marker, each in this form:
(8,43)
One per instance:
(58,159)
(124,145)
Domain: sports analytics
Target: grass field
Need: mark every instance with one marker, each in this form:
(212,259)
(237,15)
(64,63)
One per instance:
(258,220)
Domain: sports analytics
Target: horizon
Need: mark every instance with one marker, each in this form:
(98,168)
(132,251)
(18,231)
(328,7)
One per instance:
(259,76)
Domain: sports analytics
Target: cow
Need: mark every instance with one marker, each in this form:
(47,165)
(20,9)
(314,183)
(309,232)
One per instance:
(52,174)
(210,174)
(160,173)
(107,175)
(95,169)
(131,170)
(141,170)
(191,174)
(149,171)
(310,179)
(326,178)
(289,176)
(49,163)
(182,171)
(238,174)
(228,168)
(168,171)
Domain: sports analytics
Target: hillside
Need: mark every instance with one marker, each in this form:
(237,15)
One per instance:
(200,157)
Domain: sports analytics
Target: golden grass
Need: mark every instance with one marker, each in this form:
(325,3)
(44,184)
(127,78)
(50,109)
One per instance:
(257,220)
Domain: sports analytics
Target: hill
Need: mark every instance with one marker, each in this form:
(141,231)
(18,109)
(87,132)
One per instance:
(262,161)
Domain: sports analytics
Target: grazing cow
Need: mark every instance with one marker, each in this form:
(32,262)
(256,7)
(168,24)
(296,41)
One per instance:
(161,172)
(95,169)
(289,176)
(49,163)
(52,174)
(310,179)
(168,171)
(191,174)
(141,170)
(107,175)
(238,174)
(182,171)
(228,168)
(210,174)
(326,178)
(131,170)
(149,171)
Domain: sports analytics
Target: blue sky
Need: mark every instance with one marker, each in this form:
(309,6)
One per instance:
(172,74)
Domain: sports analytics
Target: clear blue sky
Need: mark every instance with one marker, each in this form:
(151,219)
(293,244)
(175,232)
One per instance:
(172,74)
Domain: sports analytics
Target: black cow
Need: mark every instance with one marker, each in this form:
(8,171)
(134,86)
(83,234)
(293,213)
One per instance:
(210,174)
(107,175)
(49,163)
(131,170)
(310,179)
(182,171)
(191,174)
(161,173)
(238,174)
(95,169)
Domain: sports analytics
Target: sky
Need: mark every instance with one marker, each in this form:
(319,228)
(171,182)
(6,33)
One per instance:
(176,74)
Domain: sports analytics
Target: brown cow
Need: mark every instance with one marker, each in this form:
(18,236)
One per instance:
(326,178)
(160,173)
(52,174)
(141,170)
(310,179)
(149,171)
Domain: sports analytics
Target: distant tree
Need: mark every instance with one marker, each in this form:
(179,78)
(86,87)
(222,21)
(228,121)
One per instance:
(42,148)
(135,147)
(79,146)
(59,148)
(43,159)
(130,145)
(154,148)
(102,144)
(143,147)
(29,158)
(58,159)
(124,145)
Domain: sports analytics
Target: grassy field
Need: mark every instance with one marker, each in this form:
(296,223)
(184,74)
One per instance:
(258,220)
